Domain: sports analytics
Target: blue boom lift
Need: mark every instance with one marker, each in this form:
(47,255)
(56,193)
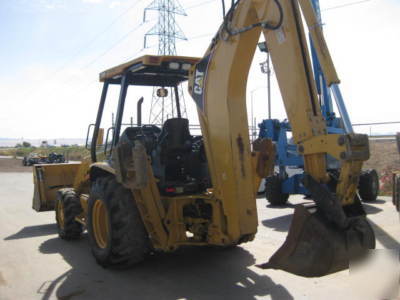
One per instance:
(289,163)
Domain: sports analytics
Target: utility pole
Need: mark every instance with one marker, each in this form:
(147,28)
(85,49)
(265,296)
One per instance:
(167,31)
(266,69)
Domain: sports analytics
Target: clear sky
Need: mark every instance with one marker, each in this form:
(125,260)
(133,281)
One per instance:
(53,50)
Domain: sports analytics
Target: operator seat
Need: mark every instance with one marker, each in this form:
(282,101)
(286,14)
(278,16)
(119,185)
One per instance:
(173,148)
(174,139)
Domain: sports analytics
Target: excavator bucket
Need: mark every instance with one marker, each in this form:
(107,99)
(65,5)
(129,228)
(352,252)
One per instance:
(324,238)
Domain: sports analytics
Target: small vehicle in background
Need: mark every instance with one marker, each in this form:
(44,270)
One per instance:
(33,159)
(54,158)
(37,159)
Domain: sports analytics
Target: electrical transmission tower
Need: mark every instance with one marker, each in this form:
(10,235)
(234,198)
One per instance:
(167,31)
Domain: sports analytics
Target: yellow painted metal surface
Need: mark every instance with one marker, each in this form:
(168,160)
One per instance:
(223,120)
(101,224)
(321,48)
(348,181)
(48,178)
(83,199)
(328,143)
(179,225)
(292,65)
(235,168)
(218,85)
(291,61)
(149,203)
(100,137)
(149,60)
(81,181)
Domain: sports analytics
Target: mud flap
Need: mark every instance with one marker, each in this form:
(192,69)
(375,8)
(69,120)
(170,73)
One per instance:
(317,245)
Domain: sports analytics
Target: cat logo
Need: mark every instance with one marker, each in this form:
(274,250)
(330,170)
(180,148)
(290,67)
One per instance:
(198,82)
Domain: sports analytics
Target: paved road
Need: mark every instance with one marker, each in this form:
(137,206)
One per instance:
(35,264)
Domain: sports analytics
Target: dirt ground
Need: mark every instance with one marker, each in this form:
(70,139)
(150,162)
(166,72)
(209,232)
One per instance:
(13,165)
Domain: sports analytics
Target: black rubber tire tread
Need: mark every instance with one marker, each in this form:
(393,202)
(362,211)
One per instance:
(72,208)
(129,242)
(368,186)
(273,191)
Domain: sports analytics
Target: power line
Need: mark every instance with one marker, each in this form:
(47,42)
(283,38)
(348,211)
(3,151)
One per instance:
(118,18)
(114,45)
(377,123)
(77,92)
(195,37)
(190,38)
(94,81)
(103,53)
(199,4)
(167,31)
(192,2)
(80,89)
(81,49)
(345,5)
(131,56)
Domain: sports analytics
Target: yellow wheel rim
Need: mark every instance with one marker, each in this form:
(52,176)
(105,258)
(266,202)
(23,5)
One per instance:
(100,223)
(60,214)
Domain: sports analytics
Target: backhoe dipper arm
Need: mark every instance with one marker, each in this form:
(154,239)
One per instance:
(218,86)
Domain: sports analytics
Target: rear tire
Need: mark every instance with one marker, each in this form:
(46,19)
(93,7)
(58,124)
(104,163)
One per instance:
(368,186)
(67,207)
(273,191)
(116,231)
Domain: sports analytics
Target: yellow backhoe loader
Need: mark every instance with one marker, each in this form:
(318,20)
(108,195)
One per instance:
(157,189)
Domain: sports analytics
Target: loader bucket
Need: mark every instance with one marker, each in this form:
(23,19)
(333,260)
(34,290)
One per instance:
(317,246)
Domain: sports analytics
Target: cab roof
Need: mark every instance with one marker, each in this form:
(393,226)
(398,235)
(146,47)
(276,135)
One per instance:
(151,70)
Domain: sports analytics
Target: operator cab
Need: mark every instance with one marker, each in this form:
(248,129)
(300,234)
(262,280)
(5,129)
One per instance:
(177,158)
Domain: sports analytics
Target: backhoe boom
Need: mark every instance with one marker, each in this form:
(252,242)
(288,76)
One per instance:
(218,86)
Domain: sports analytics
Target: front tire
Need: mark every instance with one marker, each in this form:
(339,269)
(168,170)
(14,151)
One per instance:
(116,231)
(67,207)
(273,191)
(368,186)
